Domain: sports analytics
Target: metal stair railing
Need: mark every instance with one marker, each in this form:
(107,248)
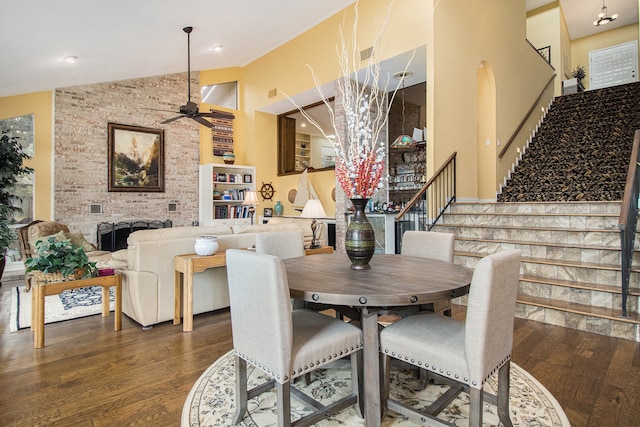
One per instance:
(427,206)
(628,220)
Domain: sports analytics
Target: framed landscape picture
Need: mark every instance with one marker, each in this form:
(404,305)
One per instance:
(136,158)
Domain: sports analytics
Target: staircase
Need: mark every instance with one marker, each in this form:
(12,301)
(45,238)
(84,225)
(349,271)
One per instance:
(570,271)
(582,149)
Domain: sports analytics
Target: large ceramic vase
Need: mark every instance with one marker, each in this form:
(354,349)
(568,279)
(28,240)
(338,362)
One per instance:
(360,241)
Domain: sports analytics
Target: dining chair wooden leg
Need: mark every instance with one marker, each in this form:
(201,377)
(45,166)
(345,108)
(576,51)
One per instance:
(283,393)
(475,407)
(356,382)
(241,390)
(504,380)
(385,367)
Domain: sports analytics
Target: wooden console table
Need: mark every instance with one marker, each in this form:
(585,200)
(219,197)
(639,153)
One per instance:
(320,250)
(185,267)
(40,289)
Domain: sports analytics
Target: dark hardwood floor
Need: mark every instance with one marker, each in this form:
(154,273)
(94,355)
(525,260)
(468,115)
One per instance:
(89,375)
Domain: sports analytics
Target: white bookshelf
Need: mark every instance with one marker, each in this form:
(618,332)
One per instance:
(230,180)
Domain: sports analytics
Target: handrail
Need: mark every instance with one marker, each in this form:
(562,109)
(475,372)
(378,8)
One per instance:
(526,117)
(437,177)
(628,220)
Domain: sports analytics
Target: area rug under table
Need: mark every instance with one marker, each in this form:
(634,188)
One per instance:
(69,304)
(211,400)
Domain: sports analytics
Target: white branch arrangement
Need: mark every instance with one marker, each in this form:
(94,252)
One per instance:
(360,154)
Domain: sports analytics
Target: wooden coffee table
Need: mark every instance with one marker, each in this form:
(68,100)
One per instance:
(185,267)
(39,290)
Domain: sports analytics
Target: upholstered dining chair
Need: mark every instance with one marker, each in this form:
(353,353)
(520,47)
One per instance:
(284,344)
(433,245)
(284,244)
(464,353)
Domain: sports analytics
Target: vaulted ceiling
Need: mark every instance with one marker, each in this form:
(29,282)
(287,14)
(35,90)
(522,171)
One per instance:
(122,39)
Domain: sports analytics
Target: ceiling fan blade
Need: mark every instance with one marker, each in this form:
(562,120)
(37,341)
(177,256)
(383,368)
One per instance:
(202,121)
(171,120)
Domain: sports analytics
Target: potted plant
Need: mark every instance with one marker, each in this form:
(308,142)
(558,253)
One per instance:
(11,159)
(59,260)
(579,74)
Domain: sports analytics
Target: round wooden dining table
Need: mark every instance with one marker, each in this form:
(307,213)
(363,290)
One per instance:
(392,281)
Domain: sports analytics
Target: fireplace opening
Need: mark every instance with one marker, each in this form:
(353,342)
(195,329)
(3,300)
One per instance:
(113,236)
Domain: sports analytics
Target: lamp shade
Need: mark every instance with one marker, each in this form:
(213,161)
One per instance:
(250,198)
(403,141)
(313,209)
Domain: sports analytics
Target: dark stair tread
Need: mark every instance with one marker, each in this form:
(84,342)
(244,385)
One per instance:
(581,309)
(632,291)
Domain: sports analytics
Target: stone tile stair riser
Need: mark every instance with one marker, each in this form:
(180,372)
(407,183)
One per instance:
(588,238)
(578,296)
(598,238)
(534,250)
(554,207)
(602,276)
(618,329)
(531,221)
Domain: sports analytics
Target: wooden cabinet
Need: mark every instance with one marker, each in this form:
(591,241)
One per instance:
(222,188)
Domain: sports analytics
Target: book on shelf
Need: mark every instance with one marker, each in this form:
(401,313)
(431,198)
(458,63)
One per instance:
(231,212)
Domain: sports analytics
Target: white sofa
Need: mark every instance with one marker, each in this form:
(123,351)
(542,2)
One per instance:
(147,267)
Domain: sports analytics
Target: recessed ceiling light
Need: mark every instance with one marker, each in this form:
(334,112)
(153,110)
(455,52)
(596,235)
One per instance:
(217,48)
(70,59)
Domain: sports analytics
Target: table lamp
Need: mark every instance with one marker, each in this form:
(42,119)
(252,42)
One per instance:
(251,200)
(313,209)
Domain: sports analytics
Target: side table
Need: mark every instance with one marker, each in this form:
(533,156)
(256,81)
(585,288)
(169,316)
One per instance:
(40,289)
(185,266)
(320,250)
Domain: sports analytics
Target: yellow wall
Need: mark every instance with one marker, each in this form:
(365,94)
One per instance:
(40,104)
(546,27)
(285,69)
(580,47)
(491,32)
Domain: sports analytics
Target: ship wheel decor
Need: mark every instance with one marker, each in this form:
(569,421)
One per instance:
(266,191)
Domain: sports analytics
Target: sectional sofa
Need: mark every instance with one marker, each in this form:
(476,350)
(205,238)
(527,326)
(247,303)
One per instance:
(147,267)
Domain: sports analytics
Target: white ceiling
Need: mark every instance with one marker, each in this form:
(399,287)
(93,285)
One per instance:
(123,39)
(580,14)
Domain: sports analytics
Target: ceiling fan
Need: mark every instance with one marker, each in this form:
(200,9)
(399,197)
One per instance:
(190,110)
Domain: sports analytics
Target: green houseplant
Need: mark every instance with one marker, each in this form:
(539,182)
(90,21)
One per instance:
(11,159)
(60,260)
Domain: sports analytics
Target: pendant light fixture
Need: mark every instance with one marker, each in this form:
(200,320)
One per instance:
(603,18)
(404,140)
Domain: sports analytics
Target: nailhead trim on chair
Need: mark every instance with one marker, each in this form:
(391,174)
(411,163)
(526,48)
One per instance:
(440,371)
(272,373)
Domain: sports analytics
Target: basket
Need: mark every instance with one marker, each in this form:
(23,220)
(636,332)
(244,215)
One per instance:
(57,276)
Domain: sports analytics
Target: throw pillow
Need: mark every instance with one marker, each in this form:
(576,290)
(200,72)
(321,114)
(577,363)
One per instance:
(120,255)
(78,239)
(60,235)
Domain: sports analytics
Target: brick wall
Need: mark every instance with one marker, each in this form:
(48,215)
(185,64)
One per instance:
(81,150)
